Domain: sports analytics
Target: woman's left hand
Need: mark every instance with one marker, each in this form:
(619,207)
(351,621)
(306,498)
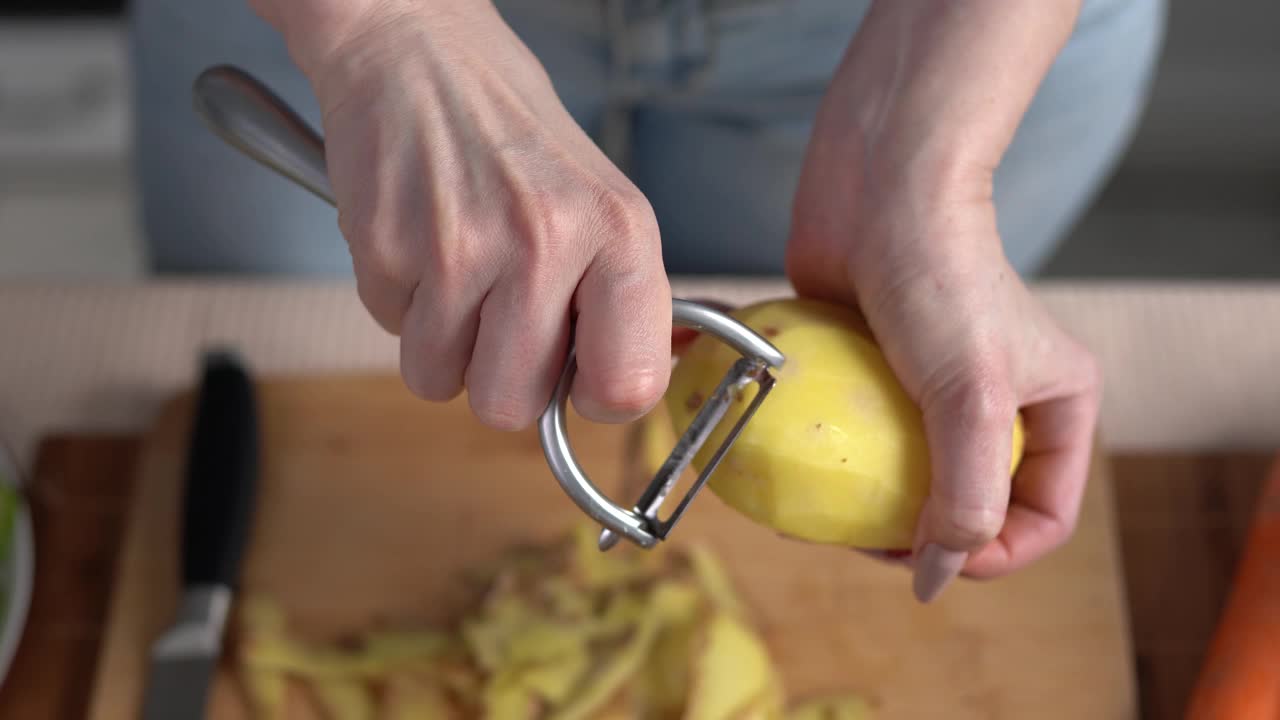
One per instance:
(894,215)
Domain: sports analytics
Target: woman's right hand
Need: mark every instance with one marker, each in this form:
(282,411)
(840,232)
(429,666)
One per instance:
(480,217)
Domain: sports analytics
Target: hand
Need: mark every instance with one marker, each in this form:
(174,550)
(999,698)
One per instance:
(894,214)
(971,345)
(480,217)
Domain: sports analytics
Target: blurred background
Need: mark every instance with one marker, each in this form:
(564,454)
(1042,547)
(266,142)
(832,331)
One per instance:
(1198,195)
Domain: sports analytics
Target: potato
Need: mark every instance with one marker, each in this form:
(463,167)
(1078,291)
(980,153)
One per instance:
(836,453)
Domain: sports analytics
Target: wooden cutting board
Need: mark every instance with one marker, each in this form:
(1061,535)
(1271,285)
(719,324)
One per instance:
(372,502)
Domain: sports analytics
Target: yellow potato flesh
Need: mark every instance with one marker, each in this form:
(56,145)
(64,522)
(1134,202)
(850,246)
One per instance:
(407,697)
(836,453)
(345,698)
(734,676)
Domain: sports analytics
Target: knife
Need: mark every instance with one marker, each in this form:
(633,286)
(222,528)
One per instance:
(221,478)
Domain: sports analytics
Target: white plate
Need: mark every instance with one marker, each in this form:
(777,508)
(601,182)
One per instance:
(17,570)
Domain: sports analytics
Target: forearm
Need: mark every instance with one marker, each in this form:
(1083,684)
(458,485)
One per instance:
(935,89)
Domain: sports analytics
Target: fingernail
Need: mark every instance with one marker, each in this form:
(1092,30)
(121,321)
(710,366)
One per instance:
(935,568)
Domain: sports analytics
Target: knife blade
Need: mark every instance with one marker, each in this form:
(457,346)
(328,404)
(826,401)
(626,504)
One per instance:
(220,486)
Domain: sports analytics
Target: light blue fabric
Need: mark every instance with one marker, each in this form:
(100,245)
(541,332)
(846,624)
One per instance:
(706,104)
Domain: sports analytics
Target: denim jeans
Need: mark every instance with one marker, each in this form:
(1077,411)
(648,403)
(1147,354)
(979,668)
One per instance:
(707,105)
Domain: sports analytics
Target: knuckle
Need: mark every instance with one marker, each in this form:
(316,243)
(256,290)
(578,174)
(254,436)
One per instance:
(387,308)
(970,526)
(550,224)
(557,224)
(979,397)
(625,214)
(1062,530)
(374,243)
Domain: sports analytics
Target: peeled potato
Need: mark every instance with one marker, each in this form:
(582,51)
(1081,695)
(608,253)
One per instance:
(836,453)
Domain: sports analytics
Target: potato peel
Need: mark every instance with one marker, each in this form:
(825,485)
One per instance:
(344,699)
(714,581)
(408,696)
(266,691)
(562,632)
(666,602)
(733,675)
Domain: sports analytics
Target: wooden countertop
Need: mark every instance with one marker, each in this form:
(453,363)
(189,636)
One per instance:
(1182,519)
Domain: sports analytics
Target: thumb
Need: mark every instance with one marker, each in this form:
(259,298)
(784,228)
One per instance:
(968,426)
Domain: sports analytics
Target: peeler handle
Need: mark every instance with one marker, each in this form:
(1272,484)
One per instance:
(257,122)
(555,438)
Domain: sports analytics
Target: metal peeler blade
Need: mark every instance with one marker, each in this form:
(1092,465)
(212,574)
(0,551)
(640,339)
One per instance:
(641,523)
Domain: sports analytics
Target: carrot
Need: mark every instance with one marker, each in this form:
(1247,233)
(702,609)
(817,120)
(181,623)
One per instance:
(1240,676)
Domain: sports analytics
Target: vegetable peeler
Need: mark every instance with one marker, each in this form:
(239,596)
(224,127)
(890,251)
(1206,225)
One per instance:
(641,523)
(255,121)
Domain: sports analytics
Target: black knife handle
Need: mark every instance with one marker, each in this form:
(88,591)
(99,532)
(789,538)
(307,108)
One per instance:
(222,474)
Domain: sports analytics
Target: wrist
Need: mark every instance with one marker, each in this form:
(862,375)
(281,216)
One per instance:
(932,92)
(311,28)
(319,33)
(924,205)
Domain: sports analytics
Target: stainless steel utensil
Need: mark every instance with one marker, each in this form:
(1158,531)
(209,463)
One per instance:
(255,121)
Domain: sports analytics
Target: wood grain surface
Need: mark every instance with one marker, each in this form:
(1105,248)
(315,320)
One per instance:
(373,503)
(80,498)
(1183,523)
(1181,519)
